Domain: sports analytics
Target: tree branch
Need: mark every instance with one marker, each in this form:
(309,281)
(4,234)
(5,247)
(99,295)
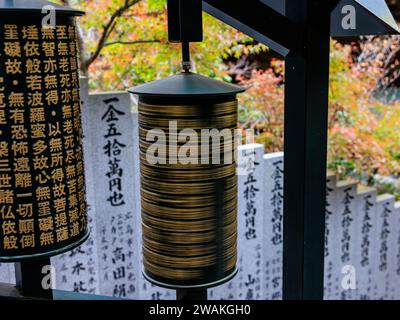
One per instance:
(130,42)
(108,28)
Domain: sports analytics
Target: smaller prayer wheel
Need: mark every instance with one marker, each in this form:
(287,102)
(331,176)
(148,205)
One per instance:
(187,140)
(42,184)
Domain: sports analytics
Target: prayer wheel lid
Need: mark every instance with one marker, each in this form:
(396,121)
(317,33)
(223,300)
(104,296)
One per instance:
(35,6)
(186,84)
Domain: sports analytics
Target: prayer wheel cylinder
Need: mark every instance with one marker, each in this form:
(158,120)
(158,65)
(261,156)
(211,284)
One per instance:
(42,185)
(188,180)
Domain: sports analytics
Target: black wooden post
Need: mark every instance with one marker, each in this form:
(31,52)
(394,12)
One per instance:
(306,124)
(191,294)
(30,278)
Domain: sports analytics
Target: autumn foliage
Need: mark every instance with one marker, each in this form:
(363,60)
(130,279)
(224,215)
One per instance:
(364,133)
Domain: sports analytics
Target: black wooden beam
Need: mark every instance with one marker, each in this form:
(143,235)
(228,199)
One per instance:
(259,21)
(295,10)
(306,125)
(30,278)
(185,23)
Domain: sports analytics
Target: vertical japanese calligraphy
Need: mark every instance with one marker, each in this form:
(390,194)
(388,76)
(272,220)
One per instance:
(42,185)
(113,149)
(397,251)
(250,251)
(383,254)
(114,181)
(273,225)
(347,237)
(329,237)
(78,269)
(365,230)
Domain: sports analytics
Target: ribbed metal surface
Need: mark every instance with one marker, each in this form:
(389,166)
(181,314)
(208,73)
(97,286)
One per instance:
(189,211)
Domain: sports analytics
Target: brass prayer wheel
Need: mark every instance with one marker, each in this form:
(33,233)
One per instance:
(42,186)
(188,180)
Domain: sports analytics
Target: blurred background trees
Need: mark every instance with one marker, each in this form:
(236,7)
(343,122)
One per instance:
(124,43)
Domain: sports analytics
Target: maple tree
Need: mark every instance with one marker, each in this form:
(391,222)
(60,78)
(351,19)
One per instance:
(363,131)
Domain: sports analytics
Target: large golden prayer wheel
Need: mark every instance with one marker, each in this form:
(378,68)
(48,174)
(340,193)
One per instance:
(187,140)
(42,185)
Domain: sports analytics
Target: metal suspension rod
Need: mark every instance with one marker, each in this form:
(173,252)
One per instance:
(186,65)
